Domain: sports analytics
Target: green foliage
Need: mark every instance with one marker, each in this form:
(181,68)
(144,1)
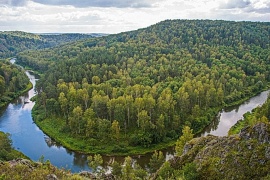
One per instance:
(127,170)
(115,130)
(190,172)
(187,135)
(41,159)
(13,42)
(95,162)
(139,172)
(153,81)
(116,169)
(13,82)
(259,114)
(211,157)
(166,171)
(33,171)
(156,161)
(6,150)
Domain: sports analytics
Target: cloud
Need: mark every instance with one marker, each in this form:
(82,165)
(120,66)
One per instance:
(13,2)
(116,16)
(249,6)
(99,3)
(232,4)
(260,7)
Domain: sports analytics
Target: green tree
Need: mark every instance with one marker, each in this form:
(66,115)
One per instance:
(166,171)
(64,105)
(2,85)
(115,128)
(187,135)
(77,123)
(116,169)
(95,162)
(190,172)
(127,170)
(139,172)
(91,125)
(156,161)
(95,80)
(144,120)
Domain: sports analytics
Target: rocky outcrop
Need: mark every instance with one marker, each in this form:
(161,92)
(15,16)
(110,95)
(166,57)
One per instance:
(260,132)
(21,161)
(36,170)
(51,177)
(243,156)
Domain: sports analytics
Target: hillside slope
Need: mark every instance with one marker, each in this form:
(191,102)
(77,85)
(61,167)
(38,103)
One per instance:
(13,82)
(243,156)
(130,92)
(12,42)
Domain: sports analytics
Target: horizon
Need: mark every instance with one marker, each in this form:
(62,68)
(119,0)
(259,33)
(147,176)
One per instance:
(104,34)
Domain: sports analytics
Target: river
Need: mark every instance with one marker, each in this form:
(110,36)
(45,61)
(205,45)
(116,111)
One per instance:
(16,119)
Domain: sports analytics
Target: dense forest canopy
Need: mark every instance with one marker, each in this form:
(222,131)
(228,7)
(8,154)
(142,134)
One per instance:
(142,87)
(13,81)
(12,42)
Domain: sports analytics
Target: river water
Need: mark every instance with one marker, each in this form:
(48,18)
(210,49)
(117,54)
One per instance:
(229,116)
(16,119)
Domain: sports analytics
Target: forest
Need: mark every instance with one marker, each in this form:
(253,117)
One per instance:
(13,82)
(138,89)
(13,42)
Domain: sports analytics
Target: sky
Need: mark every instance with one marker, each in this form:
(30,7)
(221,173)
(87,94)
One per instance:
(115,16)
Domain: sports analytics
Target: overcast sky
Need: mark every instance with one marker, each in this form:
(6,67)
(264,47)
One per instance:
(114,16)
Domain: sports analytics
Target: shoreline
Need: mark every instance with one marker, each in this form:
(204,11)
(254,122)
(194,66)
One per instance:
(80,145)
(18,94)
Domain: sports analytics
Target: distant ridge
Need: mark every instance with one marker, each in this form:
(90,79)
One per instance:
(12,42)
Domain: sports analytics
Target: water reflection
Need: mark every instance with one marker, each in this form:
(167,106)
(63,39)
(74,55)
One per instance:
(80,160)
(229,116)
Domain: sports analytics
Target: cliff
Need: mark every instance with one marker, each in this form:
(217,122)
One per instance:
(242,156)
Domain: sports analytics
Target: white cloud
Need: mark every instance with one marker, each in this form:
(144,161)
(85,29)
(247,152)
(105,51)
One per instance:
(231,4)
(36,17)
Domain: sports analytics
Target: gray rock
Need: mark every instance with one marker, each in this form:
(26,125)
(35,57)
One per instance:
(51,177)
(267,152)
(259,131)
(25,162)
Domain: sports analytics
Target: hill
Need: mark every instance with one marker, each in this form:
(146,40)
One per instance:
(134,92)
(12,42)
(13,82)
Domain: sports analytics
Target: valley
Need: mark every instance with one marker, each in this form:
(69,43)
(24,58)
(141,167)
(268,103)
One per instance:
(133,93)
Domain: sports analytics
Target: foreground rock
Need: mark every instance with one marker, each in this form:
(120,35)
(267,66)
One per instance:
(24,169)
(243,156)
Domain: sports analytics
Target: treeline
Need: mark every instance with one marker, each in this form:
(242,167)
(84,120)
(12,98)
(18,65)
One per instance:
(12,42)
(142,87)
(7,152)
(12,82)
(259,114)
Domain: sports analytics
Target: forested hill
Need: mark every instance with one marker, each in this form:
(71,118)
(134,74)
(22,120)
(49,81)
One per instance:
(12,42)
(13,82)
(141,87)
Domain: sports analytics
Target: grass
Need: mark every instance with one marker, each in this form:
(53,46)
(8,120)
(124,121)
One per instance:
(53,129)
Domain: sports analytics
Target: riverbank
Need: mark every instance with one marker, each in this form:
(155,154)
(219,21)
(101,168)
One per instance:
(7,152)
(53,128)
(82,145)
(65,157)
(8,97)
(13,82)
